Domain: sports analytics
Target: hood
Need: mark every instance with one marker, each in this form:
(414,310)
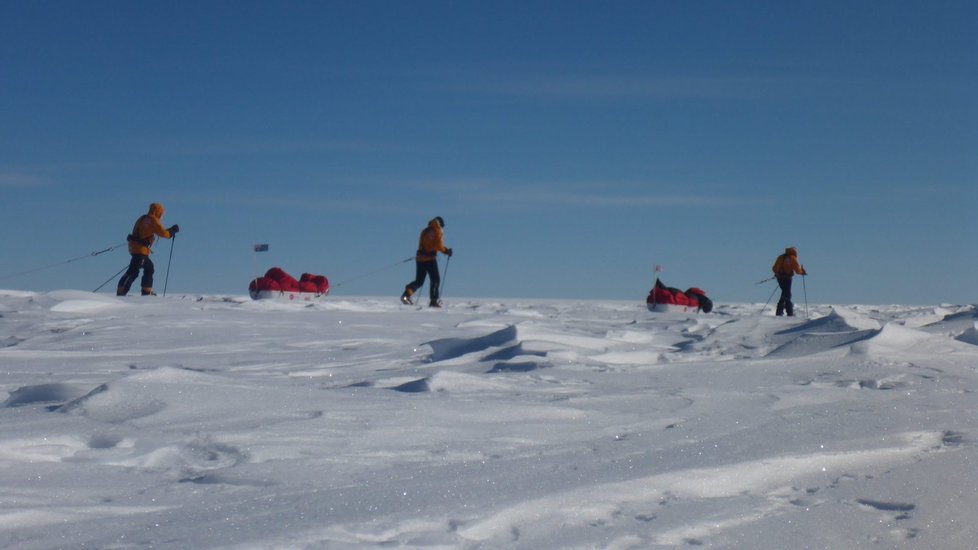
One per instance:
(791,251)
(156,210)
(437,221)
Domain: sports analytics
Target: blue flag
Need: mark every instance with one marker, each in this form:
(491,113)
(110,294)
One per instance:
(261,248)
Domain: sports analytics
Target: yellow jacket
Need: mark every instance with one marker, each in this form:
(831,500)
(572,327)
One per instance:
(787,264)
(431,242)
(146,229)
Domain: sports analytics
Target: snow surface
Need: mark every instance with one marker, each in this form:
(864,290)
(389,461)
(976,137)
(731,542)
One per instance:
(219,422)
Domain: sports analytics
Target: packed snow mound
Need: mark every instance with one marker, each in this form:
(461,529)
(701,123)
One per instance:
(145,393)
(970,336)
(460,383)
(77,301)
(840,328)
(189,460)
(42,393)
(839,319)
(520,347)
(955,324)
(895,338)
(9,293)
(899,337)
(115,403)
(453,348)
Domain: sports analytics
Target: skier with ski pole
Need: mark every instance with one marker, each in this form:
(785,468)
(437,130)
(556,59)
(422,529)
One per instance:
(785,267)
(430,243)
(144,233)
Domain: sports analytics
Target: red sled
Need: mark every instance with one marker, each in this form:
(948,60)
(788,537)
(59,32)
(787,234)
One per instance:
(276,284)
(663,298)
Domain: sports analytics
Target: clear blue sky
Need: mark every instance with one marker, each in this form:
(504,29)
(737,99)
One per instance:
(570,146)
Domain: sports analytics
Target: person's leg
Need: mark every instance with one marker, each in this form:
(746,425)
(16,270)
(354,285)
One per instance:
(784,304)
(419,274)
(147,281)
(435,282)
(785,299)
(125,283)
(789,307)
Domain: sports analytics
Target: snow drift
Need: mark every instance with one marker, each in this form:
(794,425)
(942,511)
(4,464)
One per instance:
(221,422)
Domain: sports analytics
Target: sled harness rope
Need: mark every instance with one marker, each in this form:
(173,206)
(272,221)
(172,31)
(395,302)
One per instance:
(110,279)
(36,269)
(376,271)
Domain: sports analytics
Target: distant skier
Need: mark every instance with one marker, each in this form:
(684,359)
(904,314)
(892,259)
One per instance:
(784,268)
(430,243)
(143,235)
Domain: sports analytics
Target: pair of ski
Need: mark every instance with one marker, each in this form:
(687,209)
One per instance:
(406,300)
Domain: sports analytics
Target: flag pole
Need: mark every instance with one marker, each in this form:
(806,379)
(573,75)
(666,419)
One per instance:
(658,269)
(263,247)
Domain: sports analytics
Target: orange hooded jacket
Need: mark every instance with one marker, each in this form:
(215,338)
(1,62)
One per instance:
(146,229)
(787,264)
(431,242)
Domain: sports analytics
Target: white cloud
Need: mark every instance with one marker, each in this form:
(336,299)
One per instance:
(189,146)
(591,194)
(294,202)
(543,197)
(597,86)
(13,179)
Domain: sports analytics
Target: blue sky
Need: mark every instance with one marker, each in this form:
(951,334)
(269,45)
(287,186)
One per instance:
(570,146)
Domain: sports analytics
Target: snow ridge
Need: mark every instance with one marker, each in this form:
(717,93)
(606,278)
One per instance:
(215,422)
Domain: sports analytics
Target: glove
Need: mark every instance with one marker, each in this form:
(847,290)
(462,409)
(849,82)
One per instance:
(174,229)
(448,252)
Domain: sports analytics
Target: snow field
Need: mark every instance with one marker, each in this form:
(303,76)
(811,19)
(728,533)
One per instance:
(218,422)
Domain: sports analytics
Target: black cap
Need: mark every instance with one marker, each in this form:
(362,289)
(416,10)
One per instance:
(440,221)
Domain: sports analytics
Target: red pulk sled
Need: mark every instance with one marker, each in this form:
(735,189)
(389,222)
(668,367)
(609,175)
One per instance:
(667,299)
(279,285)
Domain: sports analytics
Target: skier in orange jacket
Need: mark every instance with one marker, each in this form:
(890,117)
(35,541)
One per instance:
(430,243)
(144,233)
(784,268)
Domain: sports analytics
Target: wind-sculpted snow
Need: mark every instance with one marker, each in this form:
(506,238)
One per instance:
(839,328)
(219,422)
(453,348)
(969,336)
(766,479)
(41,393)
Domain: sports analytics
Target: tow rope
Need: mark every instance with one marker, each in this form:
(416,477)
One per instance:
(36,269)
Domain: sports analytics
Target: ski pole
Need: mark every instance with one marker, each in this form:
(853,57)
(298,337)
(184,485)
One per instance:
(109,279)
(169,260)
(804,287)
(769,299)
(765,280)
(444,276)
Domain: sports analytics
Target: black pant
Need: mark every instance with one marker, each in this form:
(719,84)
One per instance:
(138,261)
(429,267)
(784,304)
